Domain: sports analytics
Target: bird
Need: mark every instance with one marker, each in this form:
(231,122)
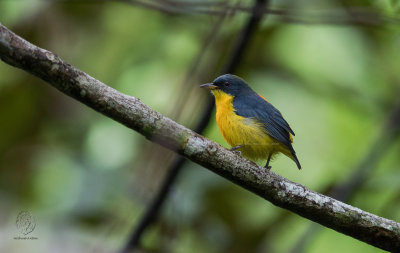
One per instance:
(251,125)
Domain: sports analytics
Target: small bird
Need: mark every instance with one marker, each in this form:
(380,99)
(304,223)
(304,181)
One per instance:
(251,125)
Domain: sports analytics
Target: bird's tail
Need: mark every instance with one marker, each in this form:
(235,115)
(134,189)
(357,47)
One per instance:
(294,158)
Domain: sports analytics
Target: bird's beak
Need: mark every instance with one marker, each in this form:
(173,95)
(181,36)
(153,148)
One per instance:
(209,86)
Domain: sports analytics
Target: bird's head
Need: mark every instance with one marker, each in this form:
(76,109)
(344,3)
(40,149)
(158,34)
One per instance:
(230,84)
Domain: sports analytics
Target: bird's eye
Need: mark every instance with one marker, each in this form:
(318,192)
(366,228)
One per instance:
(227,84)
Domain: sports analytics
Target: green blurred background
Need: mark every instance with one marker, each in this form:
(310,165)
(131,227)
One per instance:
(87,179)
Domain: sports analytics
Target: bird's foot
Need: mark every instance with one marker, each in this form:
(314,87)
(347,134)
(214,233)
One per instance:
(237,152)
(267,167)
(234,150)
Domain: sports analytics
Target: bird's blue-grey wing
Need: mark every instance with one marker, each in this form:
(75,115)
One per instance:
(256,107)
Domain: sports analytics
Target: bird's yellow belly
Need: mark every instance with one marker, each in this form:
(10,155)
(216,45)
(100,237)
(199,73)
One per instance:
(250,135)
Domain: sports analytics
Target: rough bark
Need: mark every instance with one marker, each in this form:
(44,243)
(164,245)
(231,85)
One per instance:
(131,112)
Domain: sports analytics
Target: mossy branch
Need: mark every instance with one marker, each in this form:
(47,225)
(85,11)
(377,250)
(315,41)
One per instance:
(131,112)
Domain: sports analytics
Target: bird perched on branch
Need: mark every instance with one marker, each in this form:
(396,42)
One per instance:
(250,124)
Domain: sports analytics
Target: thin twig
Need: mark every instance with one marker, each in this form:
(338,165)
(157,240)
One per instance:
(359,16)
(237,53)
(353,16)
(155,206)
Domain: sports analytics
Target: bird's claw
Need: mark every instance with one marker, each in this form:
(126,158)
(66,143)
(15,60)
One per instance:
(238,152)
(268,167)
(234,150)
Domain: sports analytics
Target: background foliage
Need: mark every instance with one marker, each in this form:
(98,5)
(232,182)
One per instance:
(86,178)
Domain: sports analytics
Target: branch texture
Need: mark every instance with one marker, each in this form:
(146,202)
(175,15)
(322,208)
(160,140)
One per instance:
(131,112)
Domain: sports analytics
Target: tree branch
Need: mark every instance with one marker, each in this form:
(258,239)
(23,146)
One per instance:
(131,112)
